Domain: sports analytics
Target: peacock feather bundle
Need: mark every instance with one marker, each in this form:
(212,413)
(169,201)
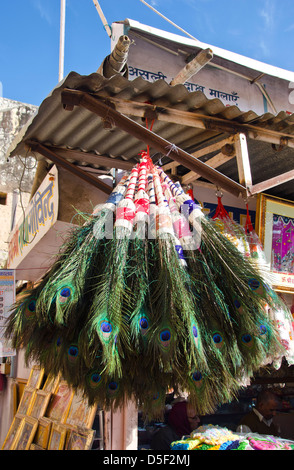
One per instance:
(237,284)
(148,295)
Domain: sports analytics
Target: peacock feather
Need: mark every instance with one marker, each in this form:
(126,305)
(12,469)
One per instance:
(107,320)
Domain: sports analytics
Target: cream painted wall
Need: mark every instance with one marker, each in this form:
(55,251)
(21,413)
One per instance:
(5,221)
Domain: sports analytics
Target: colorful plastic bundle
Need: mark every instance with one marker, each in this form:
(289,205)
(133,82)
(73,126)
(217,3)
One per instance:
(210,437)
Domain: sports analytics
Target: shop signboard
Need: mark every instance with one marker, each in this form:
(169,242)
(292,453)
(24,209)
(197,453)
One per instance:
(40,215)
(7,299)
(233,79)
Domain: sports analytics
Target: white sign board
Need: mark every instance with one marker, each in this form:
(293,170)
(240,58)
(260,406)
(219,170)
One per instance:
(40,215)
(7,299)
(235,80)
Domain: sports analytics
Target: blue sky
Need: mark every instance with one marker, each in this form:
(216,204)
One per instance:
(29,35)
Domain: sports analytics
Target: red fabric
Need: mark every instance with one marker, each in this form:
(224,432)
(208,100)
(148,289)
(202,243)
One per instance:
(142,205)
(292,307)
(191,194)
(125,213)
(220,212)
(178,419)
(248,224)
(2,382)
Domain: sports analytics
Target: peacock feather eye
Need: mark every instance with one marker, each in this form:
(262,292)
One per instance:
(64,295)
(195,335)
(254,284)
(73,353)
(197,379)
(32,306)
(94,379)
(112,388)
(237,303)
(218,340)
(57,345)
(30,309)
(106,329)
(144,325)
(165,337)
(247,340)
(262,330)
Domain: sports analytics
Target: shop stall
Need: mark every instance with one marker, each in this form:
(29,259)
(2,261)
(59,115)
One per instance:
(148,293)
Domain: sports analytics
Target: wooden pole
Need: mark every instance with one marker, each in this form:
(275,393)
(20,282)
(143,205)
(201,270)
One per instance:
(102,17)
(47,153)
(71,98)
(272,182)
(193,67)
(243,162)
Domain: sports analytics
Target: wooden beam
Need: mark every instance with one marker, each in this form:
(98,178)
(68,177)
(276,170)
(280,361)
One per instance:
(213,162)
(193,67)
(71,98)
(272,182)
(227,151)
(47,153)
(170,166)
(93,158)
(199,121)
(243,162)
(222,144)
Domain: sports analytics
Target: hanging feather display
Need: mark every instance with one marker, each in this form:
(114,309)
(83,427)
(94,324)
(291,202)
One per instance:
(137,275)
(105,327)
(236,279)
(83,252)
(146,296)
(280,314)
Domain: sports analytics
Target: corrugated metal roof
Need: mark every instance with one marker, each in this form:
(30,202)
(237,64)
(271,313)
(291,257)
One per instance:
(84,131)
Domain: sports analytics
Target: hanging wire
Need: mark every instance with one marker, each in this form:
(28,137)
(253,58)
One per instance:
(28,168)
(103,19)
(171,22)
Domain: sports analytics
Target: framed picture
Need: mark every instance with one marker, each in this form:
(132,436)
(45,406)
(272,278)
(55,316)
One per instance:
(80,439)
(43,432)
(25,434)
(60,402)
(51,383)
(26,401)
(57,437)
(39,404)
(12,431)
(36,447)
(18,390)
(35,377)
(275,227)
(80,413)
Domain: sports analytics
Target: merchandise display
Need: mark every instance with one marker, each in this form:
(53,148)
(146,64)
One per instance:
(216,438)
(50,416)
(149,295)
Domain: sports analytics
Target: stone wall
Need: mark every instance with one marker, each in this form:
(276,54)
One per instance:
(16,176)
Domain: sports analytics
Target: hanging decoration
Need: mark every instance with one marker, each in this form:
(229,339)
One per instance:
(248,242)
(146,296)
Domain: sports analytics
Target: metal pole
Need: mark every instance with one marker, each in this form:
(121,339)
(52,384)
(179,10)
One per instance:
(61,42)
